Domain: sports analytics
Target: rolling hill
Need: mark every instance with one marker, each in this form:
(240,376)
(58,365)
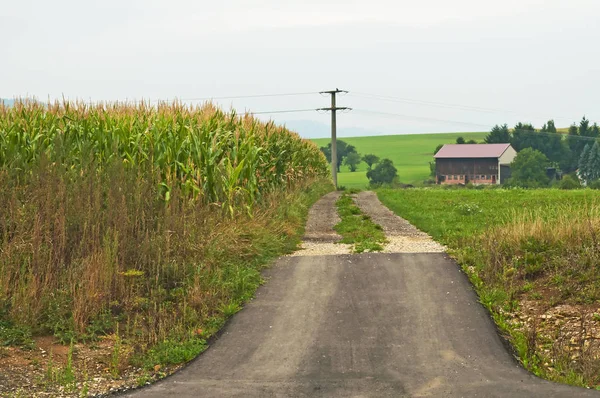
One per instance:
(410,153)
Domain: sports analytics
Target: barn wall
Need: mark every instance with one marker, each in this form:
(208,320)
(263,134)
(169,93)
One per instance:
(508,156)
(461,171)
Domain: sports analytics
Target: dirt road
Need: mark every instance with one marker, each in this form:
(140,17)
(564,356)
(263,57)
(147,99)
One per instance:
(368,325)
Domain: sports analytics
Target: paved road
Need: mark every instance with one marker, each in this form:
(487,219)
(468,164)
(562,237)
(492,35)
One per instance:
(369,325)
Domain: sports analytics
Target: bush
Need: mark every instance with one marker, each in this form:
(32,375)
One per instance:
(594,184)
(568,182)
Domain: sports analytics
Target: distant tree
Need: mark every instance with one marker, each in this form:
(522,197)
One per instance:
(460,140)
(471,142)
(584,163)
(437,148)
(523,136)
(593,163)
(498,135)
(529,169)
(352,160)
(343,149)
(383,173)
(576,143)
(370,160)
(550,142)
(595,131)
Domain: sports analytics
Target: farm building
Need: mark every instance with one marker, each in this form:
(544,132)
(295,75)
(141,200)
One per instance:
(475,163)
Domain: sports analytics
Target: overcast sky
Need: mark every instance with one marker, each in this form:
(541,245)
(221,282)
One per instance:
(521,60)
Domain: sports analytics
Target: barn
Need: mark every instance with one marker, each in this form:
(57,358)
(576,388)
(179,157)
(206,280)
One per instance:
(475,163)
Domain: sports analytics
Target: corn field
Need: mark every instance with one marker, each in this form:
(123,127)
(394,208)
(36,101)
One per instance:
(218,158)
(148,220)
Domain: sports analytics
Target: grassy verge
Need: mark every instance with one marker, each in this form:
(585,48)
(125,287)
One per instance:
(532,256)
(357,228)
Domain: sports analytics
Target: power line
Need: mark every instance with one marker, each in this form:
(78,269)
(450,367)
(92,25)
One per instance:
(247,96)
(409,117)
(440,104)
(280,111)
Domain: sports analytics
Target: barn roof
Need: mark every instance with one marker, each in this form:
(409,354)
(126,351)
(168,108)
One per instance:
(471,151)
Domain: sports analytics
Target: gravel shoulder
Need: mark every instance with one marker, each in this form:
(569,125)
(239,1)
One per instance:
(403,237)
(319,237)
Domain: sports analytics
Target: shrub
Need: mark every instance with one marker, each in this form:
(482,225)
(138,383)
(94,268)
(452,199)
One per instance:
(594,184)
(568,182)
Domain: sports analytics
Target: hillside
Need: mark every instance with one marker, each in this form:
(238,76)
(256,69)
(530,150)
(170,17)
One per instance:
(410,153)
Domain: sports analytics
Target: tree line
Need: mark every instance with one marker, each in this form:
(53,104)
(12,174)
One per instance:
(575,154)
(562,150)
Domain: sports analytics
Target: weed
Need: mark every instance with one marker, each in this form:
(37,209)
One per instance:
(357,228)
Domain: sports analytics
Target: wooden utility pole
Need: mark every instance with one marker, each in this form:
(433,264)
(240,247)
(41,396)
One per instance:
(333,110)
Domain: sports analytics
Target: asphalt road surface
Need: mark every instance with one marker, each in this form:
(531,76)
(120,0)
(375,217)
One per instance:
(369,325)
(362,325)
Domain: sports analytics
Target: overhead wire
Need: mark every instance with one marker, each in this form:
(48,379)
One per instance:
(440,104)
(249,96)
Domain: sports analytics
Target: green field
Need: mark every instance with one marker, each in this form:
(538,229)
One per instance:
(528,253)
(410,153)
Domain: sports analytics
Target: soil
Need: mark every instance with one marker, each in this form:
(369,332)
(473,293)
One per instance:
(27,373)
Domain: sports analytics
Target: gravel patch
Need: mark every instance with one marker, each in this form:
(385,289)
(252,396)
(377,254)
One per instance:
(403,237)
(320,238)
(322,249)
(322,217)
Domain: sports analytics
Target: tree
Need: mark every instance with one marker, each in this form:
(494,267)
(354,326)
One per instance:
(343,149)
(523,136)
(460,140)
(551,144)
(471,142)
(576,143)
(529,169)
(593,163)
(498,135)
(352,160)
(584,163)
(437,148)
(370,160)
(383,173)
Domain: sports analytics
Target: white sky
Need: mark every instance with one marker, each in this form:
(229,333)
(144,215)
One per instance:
(537,58)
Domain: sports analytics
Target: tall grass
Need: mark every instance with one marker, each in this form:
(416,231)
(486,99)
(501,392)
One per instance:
(152,220)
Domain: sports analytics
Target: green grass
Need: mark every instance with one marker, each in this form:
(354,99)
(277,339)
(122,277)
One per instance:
(517,245)
(357,228)
(410,153)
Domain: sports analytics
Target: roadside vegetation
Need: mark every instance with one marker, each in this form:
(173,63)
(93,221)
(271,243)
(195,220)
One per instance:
(139,230)
(533,258)
(357,228)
